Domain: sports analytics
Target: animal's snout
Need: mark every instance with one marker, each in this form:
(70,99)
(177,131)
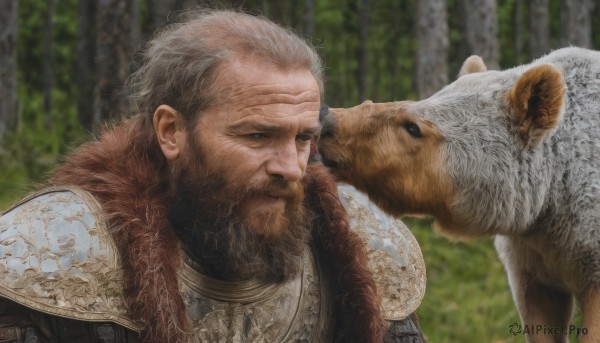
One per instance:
(327,122)
(323,112)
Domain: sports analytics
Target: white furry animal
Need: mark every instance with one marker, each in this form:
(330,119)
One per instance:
(513,153)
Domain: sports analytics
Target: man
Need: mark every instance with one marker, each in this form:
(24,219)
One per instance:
(200,219)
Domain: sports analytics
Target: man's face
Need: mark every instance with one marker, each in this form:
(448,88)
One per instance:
(237,192)
(258,135)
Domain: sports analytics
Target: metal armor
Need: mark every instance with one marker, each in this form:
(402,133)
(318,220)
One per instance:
(58,258)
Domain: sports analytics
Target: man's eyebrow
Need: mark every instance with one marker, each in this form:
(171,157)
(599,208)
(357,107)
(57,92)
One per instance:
(268,128)
(249,125)
(316,130)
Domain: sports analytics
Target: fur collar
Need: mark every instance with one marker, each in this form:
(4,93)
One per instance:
(123,170)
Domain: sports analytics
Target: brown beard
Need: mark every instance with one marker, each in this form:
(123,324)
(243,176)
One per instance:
(128,175)
(207,216)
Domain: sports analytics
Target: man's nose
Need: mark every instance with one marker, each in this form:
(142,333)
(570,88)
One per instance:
(286,163)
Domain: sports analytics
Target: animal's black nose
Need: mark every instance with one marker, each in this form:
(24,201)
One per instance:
(327,125)
(323,112)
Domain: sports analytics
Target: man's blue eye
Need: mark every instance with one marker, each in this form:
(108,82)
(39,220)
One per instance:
(256,136)
(304,137)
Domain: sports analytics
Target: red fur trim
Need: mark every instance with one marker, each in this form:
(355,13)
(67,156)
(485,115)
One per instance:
(358,303)
(125,171)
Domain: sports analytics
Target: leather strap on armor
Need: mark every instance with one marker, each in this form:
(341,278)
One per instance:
(19,324)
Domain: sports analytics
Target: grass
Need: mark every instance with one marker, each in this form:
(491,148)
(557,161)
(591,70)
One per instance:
(468,298)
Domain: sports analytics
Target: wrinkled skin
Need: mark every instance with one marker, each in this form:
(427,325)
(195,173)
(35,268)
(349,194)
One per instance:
(259,133)
(236,171)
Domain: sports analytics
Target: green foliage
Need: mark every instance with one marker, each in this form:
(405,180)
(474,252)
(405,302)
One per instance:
(596,25)
(456,40)
(467,299)
(555,24)
(31,149)
(506,32)
(390,67)
(330,25)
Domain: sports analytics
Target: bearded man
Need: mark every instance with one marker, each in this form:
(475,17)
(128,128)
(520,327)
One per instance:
(200,219)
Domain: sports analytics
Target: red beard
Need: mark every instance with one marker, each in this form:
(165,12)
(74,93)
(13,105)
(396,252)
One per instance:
(237,231)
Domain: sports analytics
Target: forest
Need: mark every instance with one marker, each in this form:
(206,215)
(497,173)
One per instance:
(64,68)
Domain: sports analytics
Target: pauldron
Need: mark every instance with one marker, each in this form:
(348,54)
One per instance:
(57,257)
(395,258)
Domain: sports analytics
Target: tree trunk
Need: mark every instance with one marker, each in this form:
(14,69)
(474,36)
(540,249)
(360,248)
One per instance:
(596,26)
(576,23)
(459,51)
(48,63)
(86,64)
(135,30)
(277,11)
(114,54)
(159,12)
(539,27)
(361,53)
(8,64)
(482,30)
(431,28)
(518,29)
(178,5)
(391,50)
(308,17)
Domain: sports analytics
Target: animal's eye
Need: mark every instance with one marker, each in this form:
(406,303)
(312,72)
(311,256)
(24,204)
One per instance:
(413,129)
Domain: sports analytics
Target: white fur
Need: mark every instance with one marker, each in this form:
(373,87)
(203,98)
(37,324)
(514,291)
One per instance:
(542,201)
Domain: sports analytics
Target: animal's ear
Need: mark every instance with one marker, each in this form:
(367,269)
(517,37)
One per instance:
(536,100)
(473,64)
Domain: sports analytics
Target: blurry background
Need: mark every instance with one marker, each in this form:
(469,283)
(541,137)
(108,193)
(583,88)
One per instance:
(64,66)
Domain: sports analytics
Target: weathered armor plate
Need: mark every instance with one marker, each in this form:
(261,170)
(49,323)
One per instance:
(57,257)
(254,311)
(394,254)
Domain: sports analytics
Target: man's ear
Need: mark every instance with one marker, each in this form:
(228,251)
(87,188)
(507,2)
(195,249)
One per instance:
(473,64)
(170,130)
(537,100)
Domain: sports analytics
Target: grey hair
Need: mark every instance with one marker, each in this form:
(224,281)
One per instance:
(179,64)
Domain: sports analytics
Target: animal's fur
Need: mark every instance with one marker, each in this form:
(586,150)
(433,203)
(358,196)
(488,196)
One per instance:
(505,153)
(126,172)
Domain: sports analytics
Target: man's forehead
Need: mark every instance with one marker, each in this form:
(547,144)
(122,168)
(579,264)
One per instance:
(256,75)
(268,121)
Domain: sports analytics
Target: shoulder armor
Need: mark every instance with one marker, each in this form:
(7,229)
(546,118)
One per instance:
(395,258)
(57,257)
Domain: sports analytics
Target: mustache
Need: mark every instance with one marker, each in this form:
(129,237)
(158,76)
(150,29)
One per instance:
(278,189)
